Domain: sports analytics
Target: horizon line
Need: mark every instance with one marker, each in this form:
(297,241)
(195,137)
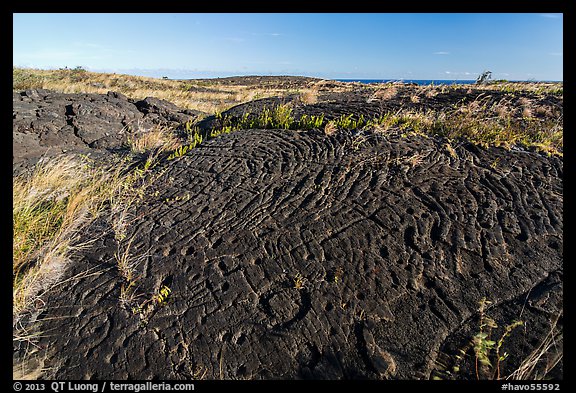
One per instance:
(232,74)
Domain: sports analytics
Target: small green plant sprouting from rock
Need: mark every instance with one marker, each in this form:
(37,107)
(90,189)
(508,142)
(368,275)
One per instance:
(348,123)
(178,198)
(148,164)
(484,347)
(299,281)
(162,296)
(336,275)
(191,130)
(182,150)
(481,340)
(145,309)
(179,152)
(223,130)
(278,117)
(140,173)
(282,117)
(194,138)
(501,357)
(307,122)
(487,351)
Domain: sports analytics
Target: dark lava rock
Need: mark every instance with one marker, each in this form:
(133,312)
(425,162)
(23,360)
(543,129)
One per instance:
(268,81)
(370,102)
(49,123)
(299,255)
(164,111)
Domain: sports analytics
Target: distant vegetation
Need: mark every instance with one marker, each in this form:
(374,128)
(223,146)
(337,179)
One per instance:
(483,123)
(190,94)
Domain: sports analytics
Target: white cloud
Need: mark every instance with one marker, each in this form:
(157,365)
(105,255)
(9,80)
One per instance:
(460,74)
(441,53)
(274,34)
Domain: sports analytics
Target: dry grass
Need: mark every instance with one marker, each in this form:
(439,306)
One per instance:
(49,210)
(310,96)
(429,91)
(157,139)
(33,368)
(533,87)
(544,358)
(52,207)
(552,88)
(386,92)
(198,95)
(487,123)
(127,263)
(330,128)
(484,122)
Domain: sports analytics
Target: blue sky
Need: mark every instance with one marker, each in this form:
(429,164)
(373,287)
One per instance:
(522,46)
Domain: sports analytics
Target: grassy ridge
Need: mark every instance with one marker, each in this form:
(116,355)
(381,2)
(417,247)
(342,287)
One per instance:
(482,125)
(198,95)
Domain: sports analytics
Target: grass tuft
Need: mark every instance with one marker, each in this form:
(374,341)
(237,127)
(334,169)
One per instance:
(543,358)
(49,209)
(53,204)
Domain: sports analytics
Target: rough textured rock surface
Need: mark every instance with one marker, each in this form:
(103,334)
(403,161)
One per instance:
(299,255)
(49,123)
(369,102)
(283,82)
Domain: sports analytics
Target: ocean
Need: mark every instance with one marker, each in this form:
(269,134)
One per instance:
(427,81)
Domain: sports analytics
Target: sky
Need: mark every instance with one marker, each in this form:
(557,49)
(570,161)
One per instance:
(514,46)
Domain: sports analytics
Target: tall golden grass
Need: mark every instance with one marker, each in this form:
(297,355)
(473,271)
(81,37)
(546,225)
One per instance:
(54,204)
(197,95)
(50,208)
